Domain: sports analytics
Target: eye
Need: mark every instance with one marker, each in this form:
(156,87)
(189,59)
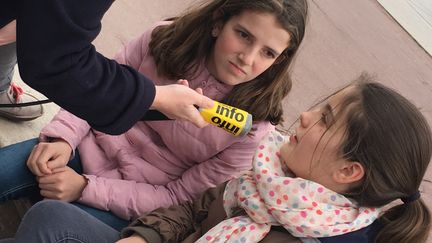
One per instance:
(269,54)
(243,34)
(324,118)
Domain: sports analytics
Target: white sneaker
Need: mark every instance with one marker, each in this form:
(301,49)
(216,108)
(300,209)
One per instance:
(16,95)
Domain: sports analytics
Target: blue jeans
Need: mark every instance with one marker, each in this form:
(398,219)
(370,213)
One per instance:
(17,181)
(52,221)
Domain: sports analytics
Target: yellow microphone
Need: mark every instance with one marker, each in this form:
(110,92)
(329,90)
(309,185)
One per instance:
(233,120)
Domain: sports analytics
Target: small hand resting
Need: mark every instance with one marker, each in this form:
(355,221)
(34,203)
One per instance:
(48,156)
(56,180)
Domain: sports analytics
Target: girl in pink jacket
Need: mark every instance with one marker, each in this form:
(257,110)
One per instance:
(235,51)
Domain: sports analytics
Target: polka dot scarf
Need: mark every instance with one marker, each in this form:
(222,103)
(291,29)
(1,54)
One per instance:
(270,197)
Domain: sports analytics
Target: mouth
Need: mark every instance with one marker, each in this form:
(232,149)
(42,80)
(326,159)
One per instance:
(237,68)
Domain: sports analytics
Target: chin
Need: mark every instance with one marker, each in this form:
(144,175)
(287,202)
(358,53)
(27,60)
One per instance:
(230,80)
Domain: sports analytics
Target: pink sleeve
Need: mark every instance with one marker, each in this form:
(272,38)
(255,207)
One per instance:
(66,126)
(130,199)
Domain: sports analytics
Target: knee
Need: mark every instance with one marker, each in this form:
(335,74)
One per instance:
(47,212)
(48,206)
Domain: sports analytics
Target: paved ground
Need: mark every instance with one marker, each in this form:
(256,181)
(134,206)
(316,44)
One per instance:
(343,39)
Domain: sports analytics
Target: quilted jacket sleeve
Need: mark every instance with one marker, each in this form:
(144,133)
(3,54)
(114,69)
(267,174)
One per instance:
(67,127)
(130,199)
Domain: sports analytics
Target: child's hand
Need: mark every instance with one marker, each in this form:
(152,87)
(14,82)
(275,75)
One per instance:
(63,184)
(184,82)
(133,239)
(47,156)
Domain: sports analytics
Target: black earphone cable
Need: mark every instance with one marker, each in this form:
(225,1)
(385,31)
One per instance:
(24,104)
(151,115)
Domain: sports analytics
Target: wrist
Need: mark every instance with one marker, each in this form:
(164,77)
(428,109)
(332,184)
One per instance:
(83,185)
(157,99)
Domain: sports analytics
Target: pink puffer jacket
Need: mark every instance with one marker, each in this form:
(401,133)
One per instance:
(158,163)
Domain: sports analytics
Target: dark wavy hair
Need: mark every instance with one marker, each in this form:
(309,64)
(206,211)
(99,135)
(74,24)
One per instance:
(390,137)
(179,47)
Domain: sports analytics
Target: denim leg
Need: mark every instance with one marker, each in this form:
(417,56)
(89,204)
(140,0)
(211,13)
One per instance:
(105,216)
(16,180)
(8,60)
(59,222)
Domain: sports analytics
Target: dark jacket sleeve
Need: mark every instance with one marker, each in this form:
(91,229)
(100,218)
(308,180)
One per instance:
(180,223)
(171,224)
(7,11)
(56,57)
(187,222)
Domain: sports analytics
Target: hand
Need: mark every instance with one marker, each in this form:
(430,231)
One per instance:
(177,102)
(48,156)
(64,184)
(133,239)
(8,33)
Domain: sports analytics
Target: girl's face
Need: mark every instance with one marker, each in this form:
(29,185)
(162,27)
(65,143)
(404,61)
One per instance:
(246,45)
(313,152)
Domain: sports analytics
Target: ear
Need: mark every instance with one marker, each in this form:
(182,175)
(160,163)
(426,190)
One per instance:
(349,172)
(218,22)
(218,15)
(216,29)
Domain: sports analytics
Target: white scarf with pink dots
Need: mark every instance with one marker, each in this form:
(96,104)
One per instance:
(270,197)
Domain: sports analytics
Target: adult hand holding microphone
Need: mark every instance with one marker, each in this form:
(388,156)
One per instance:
(205,111)
(183,108)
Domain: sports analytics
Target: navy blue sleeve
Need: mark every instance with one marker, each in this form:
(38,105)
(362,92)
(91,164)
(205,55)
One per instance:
(7,11)
(56,57)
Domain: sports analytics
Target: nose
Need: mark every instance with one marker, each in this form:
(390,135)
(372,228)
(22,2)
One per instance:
(305,118)
(247,56)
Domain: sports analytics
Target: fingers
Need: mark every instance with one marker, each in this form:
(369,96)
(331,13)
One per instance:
(48,179)
(49,194)
(55,164)
(64,184)
(196,118)
(177,101)
(42,161)
(49,186)
(183,82)
(204,101)
(201,100)
(31,162)
(47,156)
(37,161)
(199,91)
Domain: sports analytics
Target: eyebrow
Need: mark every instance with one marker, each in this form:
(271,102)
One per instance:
(254,37)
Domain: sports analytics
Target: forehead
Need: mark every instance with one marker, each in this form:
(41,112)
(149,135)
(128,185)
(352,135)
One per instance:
(263,26)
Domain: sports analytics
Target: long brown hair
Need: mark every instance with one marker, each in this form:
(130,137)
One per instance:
(389,136)
(179,47)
